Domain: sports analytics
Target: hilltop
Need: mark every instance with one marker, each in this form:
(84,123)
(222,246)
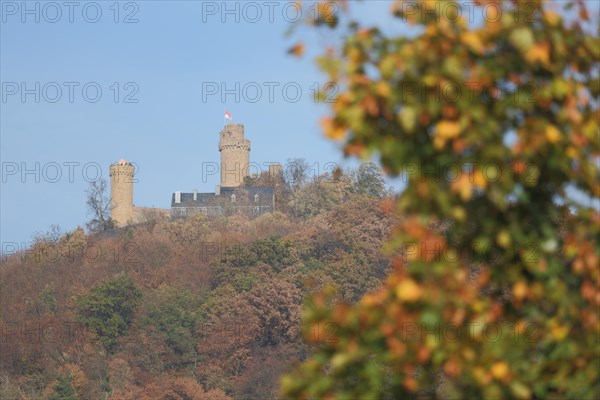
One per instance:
(187,308)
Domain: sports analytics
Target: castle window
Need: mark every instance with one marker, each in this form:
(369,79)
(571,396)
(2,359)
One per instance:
(233,198)
(256,198)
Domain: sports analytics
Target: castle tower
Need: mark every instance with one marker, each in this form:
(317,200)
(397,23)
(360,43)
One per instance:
(121,192)
(275,171)
(235,155)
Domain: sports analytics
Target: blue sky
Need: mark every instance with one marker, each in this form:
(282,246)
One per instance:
(164,60)
(153,62)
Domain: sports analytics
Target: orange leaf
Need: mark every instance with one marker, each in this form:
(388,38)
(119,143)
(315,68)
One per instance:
(473,41)
(332,130)
(297,50)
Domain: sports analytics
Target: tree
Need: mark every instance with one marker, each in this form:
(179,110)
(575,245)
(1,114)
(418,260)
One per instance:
(503,110)
(50,237)
(368,180)
(170,316)
(296,172)
(98,204)
(169,387)
(320,195)
(108,309)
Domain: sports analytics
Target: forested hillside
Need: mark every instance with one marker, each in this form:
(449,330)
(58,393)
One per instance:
(189,309)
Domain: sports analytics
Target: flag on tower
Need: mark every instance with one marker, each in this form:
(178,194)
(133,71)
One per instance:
(227,115)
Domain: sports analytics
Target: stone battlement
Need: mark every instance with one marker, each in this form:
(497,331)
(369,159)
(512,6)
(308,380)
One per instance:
(121,168)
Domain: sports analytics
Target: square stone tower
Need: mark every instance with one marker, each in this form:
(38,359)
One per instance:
(235,155)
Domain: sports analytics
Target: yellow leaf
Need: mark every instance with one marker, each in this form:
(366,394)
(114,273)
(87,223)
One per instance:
(383,89)
(408,290)
(520,290)
(520,390)
(479,179)
(558,331)
(408,118)
(439,142)
(552,17)
(522,39)
(504,239)
(552,134)
(540,52)
(332,130)
(447,129)
(459,213)
(463,187)
(499,370)
(473,41)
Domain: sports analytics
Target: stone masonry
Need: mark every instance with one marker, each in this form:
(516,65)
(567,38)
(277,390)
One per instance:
(121,192)
(235,155)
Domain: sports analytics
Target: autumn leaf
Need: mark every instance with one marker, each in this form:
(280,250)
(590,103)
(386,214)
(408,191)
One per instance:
(479,180)
(463,187)
(499,370)
(504,239)
(522,39)
(408,118)
(332,130)
(540,52)
(520,290)
(447,129)
(552,134)
(383,89)
(473,41)
(408,290)
(297,50)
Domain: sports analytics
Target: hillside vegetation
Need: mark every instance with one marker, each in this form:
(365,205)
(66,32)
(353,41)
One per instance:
(188,309)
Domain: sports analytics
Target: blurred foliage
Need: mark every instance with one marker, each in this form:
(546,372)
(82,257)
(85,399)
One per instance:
(508,105)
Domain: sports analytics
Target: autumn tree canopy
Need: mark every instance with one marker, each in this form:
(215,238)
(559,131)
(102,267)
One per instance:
(493,123)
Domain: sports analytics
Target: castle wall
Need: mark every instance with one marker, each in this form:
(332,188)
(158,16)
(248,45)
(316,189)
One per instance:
(144,214)
(235,155)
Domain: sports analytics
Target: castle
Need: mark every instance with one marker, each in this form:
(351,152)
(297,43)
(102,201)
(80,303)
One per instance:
(230,196)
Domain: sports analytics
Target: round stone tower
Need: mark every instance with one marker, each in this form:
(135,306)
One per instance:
(121,192)
(235,155)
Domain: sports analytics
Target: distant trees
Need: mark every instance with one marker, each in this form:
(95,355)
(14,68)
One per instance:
(108,309)
(64,389)
(309,196)
(368,180)
(296,172)
(170,316)
(169,387)
(209,308)
(49,237)
(299,192)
